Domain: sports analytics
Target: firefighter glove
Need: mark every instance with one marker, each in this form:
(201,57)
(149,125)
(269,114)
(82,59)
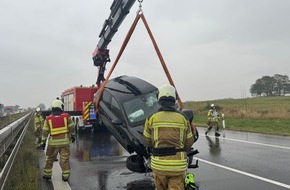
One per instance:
(72,138)
(43,145)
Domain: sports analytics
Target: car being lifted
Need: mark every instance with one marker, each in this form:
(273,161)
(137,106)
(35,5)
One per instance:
(125,104)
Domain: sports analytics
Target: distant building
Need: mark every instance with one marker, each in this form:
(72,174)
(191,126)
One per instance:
(1,110)
(7,110)
(10,110)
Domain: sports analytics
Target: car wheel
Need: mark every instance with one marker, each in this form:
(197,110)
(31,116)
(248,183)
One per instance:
(135,163)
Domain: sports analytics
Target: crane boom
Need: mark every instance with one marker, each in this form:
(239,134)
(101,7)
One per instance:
(119,10)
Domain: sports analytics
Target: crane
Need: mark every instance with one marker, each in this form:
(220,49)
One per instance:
(119,10)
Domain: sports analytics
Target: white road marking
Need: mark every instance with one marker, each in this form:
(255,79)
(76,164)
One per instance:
(251,142)
(56,179)
(246,174)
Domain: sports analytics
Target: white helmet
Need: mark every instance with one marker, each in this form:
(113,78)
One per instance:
(37,110)
(57,104)
(212,105)
(167,91)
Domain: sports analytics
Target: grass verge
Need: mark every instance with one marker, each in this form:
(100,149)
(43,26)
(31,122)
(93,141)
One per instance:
(10,119)
(264,126)
(268,115)
(25,173)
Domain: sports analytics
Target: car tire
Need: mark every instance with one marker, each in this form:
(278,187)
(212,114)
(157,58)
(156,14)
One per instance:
(135,163)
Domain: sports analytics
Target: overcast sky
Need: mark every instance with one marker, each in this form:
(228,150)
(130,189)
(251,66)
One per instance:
(213,49)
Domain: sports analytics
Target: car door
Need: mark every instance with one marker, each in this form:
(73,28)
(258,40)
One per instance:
(111,117)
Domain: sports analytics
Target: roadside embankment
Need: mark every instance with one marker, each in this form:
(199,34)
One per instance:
(270,115)
(25,173)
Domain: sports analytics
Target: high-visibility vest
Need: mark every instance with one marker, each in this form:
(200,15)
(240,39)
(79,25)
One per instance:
(58,124)
(213,115)
(168,129)
(38,119)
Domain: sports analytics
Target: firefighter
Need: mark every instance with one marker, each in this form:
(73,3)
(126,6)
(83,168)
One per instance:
(59,129)
(168,133)
(38,124)
(213,120)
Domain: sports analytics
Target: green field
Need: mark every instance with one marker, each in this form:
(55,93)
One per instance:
(270,115)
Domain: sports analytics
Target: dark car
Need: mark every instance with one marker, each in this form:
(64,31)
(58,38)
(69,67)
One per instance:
(125,104)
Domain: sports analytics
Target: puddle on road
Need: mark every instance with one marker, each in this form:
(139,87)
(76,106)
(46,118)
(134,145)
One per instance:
(90,146)
(99,162)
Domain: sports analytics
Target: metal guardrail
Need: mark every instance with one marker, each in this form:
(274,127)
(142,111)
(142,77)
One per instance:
(7,136)
(8,133)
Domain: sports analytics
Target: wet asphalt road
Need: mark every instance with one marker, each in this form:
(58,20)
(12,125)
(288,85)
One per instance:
(98,162)
(234,161)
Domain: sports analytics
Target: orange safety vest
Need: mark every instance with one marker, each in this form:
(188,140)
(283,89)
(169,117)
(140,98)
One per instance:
(58,124)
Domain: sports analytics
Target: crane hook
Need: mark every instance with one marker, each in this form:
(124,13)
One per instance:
(140,6)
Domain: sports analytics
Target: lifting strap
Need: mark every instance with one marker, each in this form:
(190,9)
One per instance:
(127,38)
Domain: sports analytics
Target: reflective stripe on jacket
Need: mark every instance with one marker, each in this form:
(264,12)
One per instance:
(212,115)
(58,124)
(59,127)
(168,129)
(38,119)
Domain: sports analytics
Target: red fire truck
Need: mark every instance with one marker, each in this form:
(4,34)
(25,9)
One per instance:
(78,102)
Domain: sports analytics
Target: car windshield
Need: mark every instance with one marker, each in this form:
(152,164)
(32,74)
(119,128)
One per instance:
(139,108)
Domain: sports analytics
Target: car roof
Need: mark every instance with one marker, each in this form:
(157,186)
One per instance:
(126,87)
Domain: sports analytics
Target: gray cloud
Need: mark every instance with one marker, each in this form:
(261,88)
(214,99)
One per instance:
(213,49)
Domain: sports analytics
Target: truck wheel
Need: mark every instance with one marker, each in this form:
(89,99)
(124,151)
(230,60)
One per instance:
(135,163)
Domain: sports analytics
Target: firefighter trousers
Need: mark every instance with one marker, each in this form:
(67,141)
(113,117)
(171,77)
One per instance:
(38,136)
(51,154)
(212,124)
(169,180)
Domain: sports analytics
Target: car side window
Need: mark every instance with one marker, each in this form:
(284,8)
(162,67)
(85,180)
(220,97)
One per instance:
(106,97)
(115,108)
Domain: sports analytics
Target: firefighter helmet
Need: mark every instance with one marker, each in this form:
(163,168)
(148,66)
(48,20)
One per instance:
(212,105)
(57,104)
(37,110)
(167,91)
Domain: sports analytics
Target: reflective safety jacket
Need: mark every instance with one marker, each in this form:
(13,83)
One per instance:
(167,130)
(59,127)
(213,115)
(38,121)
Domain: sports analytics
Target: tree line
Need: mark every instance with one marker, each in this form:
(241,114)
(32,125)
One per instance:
(277,85)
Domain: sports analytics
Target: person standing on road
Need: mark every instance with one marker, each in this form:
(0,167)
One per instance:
(59,129)
(38,124)
(168,133)
(213,119)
